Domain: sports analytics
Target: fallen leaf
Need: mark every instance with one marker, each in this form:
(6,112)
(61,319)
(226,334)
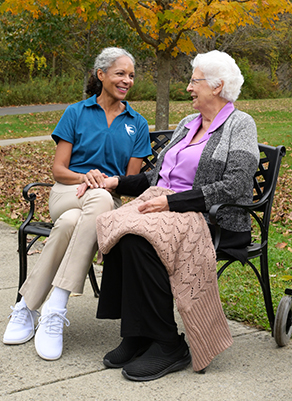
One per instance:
(287,277)
(34,252)
(281,245)
(13,215)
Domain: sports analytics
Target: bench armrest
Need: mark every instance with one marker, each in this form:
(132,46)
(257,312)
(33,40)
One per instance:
(251,208)
(31,197)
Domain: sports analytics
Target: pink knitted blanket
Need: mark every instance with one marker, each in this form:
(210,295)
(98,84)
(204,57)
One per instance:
(184,245)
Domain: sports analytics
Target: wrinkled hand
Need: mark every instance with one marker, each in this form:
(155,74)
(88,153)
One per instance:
(92,179)
(81,189)
(111,183)
(158,204)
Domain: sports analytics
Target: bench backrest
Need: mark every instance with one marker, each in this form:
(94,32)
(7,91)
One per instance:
(158,139)
(265,178)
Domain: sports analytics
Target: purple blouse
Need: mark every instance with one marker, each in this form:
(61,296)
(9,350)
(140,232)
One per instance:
(181,162)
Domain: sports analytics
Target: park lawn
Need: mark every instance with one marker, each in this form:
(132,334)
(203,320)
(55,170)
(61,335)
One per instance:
(273,115)
(239,289)
(26,125)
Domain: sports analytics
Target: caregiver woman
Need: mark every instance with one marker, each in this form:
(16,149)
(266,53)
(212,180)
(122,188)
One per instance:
(158,247)
(98,137)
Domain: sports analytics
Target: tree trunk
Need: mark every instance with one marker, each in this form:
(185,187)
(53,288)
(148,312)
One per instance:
(162,99)
(54,65)
(85,82)
(85,74)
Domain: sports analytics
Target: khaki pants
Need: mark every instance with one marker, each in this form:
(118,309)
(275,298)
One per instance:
(72,244)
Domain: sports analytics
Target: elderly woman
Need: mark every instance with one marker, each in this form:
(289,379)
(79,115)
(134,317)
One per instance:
(158,247)
(98,137)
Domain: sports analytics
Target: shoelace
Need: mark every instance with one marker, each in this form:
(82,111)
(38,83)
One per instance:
(19,315)
(54,322)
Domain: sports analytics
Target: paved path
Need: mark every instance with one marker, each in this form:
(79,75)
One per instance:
(31,109)
(25,110)
(6,142)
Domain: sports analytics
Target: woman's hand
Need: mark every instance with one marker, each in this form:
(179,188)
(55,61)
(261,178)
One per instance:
(95,179)
(81,189)
(158,204)
(92,179)
(111,183)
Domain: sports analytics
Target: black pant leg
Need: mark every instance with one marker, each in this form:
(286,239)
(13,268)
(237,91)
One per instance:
(147,301)
(110,297)
(146,298)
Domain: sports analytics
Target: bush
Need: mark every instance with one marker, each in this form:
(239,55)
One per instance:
(178,91)
(144,89)
(257,84)
(68,89)
(40,91)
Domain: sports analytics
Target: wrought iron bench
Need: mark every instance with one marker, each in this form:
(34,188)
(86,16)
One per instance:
(265,181)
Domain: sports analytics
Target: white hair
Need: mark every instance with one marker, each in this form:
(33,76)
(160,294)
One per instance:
(218,67)
(108,56)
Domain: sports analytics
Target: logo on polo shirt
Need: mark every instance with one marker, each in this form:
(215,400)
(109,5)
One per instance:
(131,129)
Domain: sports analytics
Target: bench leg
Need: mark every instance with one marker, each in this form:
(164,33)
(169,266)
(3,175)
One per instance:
(22,238)
(267,289)
(93,281)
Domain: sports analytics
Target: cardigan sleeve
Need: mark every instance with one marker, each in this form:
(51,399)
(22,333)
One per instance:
(132,185)
(227,176)
(187,201)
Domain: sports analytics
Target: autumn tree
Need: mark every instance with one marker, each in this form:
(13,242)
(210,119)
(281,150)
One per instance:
(68,43)
(23,33)
(164,25)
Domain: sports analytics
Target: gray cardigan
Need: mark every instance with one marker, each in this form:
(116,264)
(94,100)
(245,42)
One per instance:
(226,168)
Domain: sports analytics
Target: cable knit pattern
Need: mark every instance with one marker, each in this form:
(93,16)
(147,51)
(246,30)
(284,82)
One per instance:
(184,245)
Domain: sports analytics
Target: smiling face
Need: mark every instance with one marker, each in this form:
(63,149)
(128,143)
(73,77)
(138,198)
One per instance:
(118,79)
(200,91)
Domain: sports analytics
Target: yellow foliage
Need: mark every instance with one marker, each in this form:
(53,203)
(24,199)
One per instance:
(162,24)
(31,59)
(41,62)
(185,44)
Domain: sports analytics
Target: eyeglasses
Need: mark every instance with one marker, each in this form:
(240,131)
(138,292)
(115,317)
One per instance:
(196,81)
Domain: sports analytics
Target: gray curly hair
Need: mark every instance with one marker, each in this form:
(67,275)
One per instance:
(108,56)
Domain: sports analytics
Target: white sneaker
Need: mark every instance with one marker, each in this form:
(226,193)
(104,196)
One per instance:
(49,335)
(20,328)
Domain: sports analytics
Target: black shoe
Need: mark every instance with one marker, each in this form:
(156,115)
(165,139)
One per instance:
(155,363)
(127,351)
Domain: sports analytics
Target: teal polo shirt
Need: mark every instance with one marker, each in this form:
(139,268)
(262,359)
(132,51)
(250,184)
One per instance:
(97,146)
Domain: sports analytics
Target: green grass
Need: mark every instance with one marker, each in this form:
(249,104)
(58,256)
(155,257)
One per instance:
(239,289)
(26,125)
(272,116)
